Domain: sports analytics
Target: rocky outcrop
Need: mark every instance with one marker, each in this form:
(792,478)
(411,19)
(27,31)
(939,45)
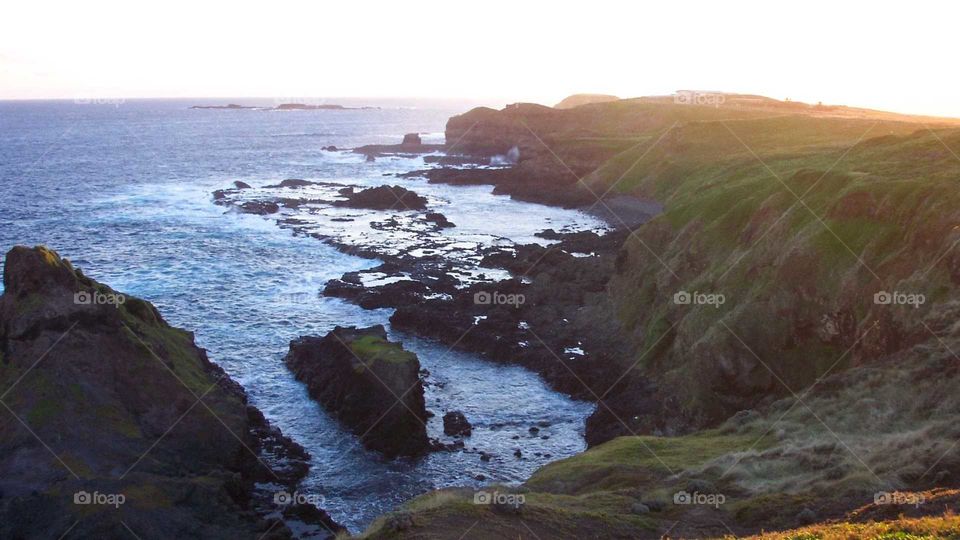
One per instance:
(261,208)
(371,385)
(455,424)
(383,198)
(439,220)
(550,151)
(114,419)
(411,145)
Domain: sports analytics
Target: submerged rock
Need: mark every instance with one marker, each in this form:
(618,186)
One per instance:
(292,182)
(370,384)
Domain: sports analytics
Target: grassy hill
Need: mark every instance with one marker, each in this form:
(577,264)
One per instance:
(820,390)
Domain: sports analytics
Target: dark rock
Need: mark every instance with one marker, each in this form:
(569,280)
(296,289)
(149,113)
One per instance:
(439,220)
(311,515)
(241,185)
(384,198)
(456,424)
(330,148)
(534,430)
(517,453)
(292,182)
(412,139)
(99,347)
(260,207)
(359,376)
(485,456)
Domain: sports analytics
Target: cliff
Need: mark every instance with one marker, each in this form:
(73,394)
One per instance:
(113,421)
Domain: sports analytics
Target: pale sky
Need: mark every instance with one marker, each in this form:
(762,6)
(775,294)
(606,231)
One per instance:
(871,54)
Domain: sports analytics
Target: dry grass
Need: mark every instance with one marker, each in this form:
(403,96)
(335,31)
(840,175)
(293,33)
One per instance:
(947,526)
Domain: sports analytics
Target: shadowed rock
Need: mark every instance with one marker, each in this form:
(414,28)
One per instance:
(371,385)
(104,398)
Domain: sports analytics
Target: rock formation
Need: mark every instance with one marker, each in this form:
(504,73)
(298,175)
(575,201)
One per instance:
(372,385)
(383,198)
(113,419)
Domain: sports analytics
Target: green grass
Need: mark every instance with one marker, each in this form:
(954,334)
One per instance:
(374,348)
(636,460)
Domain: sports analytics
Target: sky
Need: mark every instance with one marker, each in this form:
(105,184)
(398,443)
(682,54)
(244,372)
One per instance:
(891,56)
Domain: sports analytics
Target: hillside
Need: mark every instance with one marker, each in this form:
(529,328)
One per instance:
(577,100)
(794,307)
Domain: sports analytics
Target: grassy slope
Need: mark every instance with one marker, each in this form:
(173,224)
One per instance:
(874,408)
(798,277)
(850,437)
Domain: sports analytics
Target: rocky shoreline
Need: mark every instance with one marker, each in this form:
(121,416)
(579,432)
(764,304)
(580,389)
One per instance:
(556,320)
(361,377)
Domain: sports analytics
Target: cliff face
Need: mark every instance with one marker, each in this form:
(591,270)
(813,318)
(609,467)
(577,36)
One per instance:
(861,268)
(372,385)
(113,419)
